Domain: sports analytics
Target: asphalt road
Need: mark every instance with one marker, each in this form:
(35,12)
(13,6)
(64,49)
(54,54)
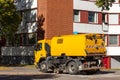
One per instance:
(31,73)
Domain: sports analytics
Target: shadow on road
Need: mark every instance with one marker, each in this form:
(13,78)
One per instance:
(28,77)
(105,72)
(96,73)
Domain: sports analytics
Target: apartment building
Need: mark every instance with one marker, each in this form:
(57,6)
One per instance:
(113,34)
(88,18)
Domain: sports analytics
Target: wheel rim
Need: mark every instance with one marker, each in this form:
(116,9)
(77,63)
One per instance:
(71,68)
(43,66)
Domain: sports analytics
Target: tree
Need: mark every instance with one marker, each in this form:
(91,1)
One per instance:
(105,4)
(9,19)
(40,30)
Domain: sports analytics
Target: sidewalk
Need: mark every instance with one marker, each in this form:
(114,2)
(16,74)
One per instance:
(31,70)
(24,70)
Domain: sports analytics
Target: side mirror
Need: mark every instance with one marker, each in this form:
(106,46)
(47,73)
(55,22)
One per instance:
(35,47)
(38,47)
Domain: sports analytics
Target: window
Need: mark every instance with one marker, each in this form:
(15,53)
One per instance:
(25,39)
(113,18)
(76,16)
(113,40)
(31,38)
(17,40)
(30,15)
(92,17)
(31,26)
(104,18)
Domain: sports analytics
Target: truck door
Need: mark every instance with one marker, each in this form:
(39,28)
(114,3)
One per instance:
(39,52)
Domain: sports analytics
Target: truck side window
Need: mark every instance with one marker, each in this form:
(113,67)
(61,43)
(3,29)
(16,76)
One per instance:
(39,46)
(47,48)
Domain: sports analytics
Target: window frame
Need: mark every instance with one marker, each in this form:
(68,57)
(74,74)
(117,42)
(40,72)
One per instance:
(105,18)
(117,40)
(94,16)
(30,15)
(24,39)
(111,20)
(78,16)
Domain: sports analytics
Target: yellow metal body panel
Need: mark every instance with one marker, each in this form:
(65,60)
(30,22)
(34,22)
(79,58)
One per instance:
(78,45)
(96,45)
(70,45)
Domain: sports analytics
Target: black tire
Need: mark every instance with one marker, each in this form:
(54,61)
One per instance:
(43,67)
(72,68)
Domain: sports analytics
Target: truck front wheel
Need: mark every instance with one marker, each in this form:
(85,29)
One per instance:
(72,67)
(43,67)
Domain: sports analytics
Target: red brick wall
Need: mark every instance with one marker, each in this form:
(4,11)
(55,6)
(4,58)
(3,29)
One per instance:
(58,17)
(42,9)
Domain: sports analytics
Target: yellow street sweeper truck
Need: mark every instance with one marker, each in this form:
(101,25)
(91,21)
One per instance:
(71,53)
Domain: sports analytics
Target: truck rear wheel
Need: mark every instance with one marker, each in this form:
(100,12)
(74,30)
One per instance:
(72,67)
(43,67)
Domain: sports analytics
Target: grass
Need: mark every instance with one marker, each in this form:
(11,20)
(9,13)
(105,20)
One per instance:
(5,68)
(115,69)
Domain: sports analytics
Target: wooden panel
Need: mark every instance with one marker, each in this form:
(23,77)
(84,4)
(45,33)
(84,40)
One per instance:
(99,18)
(84,16)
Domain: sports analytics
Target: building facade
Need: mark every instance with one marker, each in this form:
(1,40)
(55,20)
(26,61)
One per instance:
(58,16)
(113,34)
(88,18)
(85,18)
(26,34)
(63,17)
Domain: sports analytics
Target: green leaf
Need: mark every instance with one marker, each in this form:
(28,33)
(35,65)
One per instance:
(9,18)
(105,4)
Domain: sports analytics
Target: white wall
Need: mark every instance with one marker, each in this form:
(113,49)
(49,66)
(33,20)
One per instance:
(87,28)
(114,29)
(113,18)
(85,5)
(113,51)
(115,62)
(116,1)
(114,9)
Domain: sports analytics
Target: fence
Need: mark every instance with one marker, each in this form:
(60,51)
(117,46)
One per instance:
(17,55)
